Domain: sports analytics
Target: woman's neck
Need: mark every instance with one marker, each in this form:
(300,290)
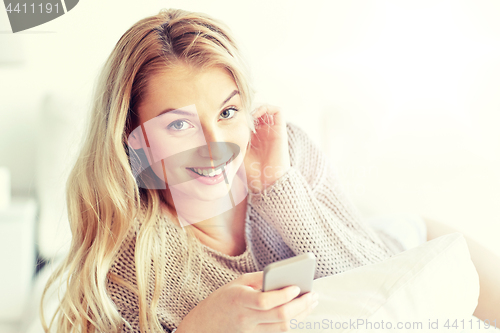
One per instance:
(212,221)
(226,228)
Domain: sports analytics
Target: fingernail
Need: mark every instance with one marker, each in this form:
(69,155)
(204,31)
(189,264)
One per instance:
(315,296)
(295,290)
(315,304)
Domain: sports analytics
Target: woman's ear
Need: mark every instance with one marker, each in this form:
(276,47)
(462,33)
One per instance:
(136,138)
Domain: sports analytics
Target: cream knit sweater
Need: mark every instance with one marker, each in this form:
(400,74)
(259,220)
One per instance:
(303,211)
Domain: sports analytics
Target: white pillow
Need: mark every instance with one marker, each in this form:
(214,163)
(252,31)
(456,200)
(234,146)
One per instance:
(434,281)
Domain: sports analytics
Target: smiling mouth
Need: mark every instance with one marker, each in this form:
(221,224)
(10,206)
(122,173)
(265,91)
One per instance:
(211,172)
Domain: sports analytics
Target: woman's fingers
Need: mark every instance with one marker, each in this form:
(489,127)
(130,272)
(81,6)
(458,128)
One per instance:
(303,315)
(263,301)
(260,111)
(289,310)
(284,325)
(272,328)
(273,310)
(253,279)
(267,115)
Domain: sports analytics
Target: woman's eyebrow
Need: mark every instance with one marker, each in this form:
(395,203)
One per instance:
(229,97)
(187,113)
(177,111)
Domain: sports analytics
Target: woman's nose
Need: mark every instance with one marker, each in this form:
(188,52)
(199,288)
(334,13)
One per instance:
(215,147)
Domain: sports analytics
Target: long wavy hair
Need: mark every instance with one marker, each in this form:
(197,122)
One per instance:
(103,197)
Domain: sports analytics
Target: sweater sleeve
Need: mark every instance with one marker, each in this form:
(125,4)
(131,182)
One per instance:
(311,213)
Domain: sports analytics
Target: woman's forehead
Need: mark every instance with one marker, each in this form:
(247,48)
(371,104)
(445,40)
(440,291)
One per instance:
(180,87)
(188,76)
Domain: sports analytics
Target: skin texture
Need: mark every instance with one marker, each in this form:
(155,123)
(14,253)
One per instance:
(488,268)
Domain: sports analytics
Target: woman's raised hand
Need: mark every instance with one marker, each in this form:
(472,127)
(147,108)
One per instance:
(267,158)
(241,307)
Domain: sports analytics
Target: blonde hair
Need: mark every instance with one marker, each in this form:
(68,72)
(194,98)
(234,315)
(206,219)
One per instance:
(103,198)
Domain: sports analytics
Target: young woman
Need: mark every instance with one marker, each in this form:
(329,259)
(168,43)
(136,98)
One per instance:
(183,193)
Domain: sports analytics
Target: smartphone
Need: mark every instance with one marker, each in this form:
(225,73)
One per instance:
(298,271)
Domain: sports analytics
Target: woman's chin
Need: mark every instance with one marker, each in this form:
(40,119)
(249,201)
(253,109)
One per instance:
(196,191)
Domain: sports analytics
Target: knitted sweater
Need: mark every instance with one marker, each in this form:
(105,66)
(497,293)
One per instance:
(303,211)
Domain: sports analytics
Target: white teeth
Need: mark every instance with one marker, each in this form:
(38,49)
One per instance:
(209,172)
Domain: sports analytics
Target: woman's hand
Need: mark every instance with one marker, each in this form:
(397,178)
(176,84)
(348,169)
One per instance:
(240,307)
(267,158)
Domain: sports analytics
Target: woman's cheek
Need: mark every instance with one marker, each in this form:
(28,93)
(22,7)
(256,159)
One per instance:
(163,146)
(241,135)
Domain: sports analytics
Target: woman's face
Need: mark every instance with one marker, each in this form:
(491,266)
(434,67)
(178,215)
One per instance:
(194,131)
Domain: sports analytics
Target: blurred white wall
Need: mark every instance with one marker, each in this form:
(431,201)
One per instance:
(402,95)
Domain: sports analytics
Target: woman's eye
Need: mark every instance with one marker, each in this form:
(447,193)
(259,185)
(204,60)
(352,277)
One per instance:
(228,113)
(178,125)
